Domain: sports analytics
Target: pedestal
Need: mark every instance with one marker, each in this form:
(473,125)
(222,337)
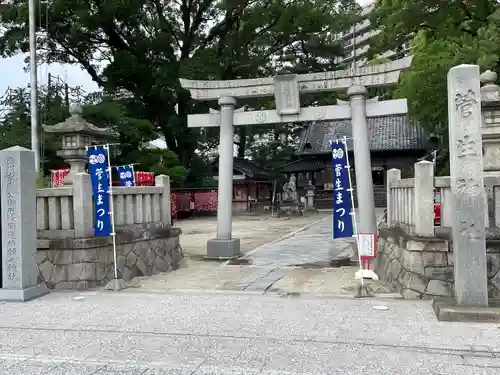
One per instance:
(18,215)
(223,249)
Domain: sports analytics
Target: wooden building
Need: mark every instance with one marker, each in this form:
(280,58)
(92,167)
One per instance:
(395,142)
(252,185)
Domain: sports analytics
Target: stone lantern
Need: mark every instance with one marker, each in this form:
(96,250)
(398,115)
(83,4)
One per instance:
(310,196)
(490,103)
(490,130)
(76,135)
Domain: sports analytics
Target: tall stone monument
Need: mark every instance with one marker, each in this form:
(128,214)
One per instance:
(286,90)
(18,209)
(467,186)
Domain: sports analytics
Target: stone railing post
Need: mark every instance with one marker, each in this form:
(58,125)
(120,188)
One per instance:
(166,213)
(82,206)
(424,199)
(392,175)
(490,132)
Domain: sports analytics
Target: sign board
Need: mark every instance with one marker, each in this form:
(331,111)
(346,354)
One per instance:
(367,246)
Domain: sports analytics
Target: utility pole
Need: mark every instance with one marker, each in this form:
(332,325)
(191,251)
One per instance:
(35,139)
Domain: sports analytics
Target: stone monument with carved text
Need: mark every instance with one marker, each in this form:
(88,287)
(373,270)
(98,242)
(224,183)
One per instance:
(18,207)
(286,90)
(467,186)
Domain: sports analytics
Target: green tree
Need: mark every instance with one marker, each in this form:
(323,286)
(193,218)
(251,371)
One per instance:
(15,122)
(145,46)
(441,35)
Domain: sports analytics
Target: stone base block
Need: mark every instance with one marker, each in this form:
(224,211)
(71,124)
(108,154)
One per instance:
(23,295)
(363,291)
(116,285)
(447,310)
(223,249)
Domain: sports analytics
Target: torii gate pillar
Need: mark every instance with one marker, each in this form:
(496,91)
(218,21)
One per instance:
(224,246)
(362,160)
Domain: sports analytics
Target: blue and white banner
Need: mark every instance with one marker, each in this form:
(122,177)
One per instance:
(342,219)
(126,173)
(99,177)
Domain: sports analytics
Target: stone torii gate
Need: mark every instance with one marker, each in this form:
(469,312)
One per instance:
(286,89)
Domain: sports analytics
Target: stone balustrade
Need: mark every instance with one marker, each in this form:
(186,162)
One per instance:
(415,216)
(55,213)
(67,212)
(70,257)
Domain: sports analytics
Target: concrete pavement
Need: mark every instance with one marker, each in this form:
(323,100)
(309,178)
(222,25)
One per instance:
(313,245)
(236,333)
(298,262)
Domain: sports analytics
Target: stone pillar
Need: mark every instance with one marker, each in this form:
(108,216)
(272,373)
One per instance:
(490,107)
(166,210)
(467,186)
(424,199)
(18,215)
(362,160)
(224,246)
(392,175)
(82,206)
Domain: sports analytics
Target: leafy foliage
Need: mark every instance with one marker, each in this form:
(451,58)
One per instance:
(441,35)
(145,46)
(15,122)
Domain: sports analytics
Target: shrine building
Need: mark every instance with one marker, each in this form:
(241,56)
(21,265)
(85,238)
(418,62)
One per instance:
(395,142)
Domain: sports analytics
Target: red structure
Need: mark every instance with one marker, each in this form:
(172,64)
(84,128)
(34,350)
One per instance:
(252,189)
(144,179)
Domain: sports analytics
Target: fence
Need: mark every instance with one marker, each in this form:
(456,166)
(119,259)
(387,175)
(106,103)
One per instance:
(411,202)
(68,212)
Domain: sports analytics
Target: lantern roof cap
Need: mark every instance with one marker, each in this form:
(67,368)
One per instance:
(76,124)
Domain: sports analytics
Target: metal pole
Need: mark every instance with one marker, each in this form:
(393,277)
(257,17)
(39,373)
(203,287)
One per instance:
(35,139)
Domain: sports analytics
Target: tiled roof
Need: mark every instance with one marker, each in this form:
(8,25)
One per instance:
(248,168)
(386,133)
(303,165)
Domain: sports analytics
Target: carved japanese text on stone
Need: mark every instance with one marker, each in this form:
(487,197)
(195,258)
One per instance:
(467,146)
(286,92)
(372,76)
(11,215)
(465,103)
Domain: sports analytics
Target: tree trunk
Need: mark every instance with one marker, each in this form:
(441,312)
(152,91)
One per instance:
(242,145)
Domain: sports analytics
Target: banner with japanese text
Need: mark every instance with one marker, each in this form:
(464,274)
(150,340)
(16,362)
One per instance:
(99,177)
(58,177)
(126,174)
(342,219)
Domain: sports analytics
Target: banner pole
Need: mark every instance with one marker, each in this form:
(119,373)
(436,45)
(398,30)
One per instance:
(133,173)
(111,209)
(353,212)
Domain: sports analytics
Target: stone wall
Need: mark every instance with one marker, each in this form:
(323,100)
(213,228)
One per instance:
(420,267)
(142,250)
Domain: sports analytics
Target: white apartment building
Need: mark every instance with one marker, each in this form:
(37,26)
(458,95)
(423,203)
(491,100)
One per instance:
(356,41)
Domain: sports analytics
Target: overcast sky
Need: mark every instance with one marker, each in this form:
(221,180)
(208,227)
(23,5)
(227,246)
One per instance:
(13,74)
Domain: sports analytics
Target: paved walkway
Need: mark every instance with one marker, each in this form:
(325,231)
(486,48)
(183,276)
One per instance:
(128,333)
(313,245)
(297,263)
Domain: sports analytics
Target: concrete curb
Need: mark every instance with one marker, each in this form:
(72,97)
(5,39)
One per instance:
(288,235)
(446,310)
(262,293)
